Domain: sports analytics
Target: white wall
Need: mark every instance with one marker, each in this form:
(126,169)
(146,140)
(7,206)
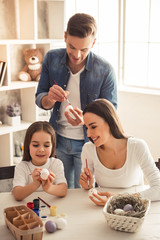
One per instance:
(140,117)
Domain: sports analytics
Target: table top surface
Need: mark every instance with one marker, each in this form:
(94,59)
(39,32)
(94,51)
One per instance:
(84,219)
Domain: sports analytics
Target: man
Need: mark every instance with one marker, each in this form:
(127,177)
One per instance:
(78,75)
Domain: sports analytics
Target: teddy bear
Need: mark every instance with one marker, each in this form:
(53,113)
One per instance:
(32,70)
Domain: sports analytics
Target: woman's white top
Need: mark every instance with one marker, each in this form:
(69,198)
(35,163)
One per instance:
(139,164)
(24,169)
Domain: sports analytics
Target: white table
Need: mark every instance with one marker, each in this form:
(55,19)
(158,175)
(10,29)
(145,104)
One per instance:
(85,220)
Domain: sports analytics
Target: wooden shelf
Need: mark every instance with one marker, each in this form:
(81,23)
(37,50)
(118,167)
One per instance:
(18,32)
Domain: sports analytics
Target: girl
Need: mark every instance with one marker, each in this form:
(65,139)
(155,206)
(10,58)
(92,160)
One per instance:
(39,148)
(117,161)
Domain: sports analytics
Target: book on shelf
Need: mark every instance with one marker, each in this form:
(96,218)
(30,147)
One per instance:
(3,67)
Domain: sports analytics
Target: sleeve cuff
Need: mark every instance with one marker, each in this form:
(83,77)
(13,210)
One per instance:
(39,98)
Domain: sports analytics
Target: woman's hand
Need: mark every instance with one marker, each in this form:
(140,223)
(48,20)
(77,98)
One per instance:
(86,179)
(101,198)
(47,184)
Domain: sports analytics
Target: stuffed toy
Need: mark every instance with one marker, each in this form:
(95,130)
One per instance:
(32,70)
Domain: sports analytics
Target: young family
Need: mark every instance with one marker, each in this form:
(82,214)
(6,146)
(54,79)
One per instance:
(95,134)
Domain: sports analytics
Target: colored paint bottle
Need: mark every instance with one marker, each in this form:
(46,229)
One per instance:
(53,211)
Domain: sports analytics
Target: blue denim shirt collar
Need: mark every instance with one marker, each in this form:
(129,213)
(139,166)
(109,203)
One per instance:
(89,62)
(64,58)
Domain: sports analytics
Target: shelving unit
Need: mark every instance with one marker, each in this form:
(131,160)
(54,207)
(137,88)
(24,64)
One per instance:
(24,24)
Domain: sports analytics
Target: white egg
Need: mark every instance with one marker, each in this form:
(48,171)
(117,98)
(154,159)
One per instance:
(61,223)
(44,174)
(67,110)
(119,211)
(91,191)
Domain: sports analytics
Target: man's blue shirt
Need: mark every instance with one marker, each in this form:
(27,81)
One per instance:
(96,81)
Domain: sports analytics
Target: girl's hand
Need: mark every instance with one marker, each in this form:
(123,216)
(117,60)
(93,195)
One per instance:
(36,176)
(47,184)
(85,178)
(101,201)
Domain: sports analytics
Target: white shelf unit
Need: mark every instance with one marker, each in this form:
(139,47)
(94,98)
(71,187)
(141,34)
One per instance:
(24,24)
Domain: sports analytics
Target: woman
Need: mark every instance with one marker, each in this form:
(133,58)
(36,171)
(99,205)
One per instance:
(114,159)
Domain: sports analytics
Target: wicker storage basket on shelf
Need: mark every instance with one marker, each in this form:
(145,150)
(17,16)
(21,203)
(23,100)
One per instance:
(23,223)
(129,221)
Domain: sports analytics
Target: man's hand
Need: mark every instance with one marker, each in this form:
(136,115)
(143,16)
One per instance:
(78,117)
(56,93)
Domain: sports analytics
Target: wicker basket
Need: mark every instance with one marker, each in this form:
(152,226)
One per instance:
(23,223)
(129,221)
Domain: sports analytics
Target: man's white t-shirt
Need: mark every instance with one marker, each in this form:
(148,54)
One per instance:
(24,169)
(64,128)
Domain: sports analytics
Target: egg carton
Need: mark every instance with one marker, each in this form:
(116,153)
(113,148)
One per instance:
(24,223)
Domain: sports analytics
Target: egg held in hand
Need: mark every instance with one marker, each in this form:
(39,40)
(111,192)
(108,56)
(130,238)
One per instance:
(50,226)
(44,174)
(91,191)
(67,109)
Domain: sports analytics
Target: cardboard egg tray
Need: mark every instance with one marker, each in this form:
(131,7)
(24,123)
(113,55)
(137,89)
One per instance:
(23,223)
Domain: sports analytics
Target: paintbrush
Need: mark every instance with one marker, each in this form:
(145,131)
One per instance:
(44,202)
(87,175)
(64,96)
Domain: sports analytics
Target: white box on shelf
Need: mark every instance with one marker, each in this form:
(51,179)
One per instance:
(14,121)
(17,160)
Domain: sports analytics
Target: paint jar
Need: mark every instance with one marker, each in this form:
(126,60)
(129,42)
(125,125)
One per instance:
(36,203)
(30,205)
(36,211)
(53,211)
(43,211)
